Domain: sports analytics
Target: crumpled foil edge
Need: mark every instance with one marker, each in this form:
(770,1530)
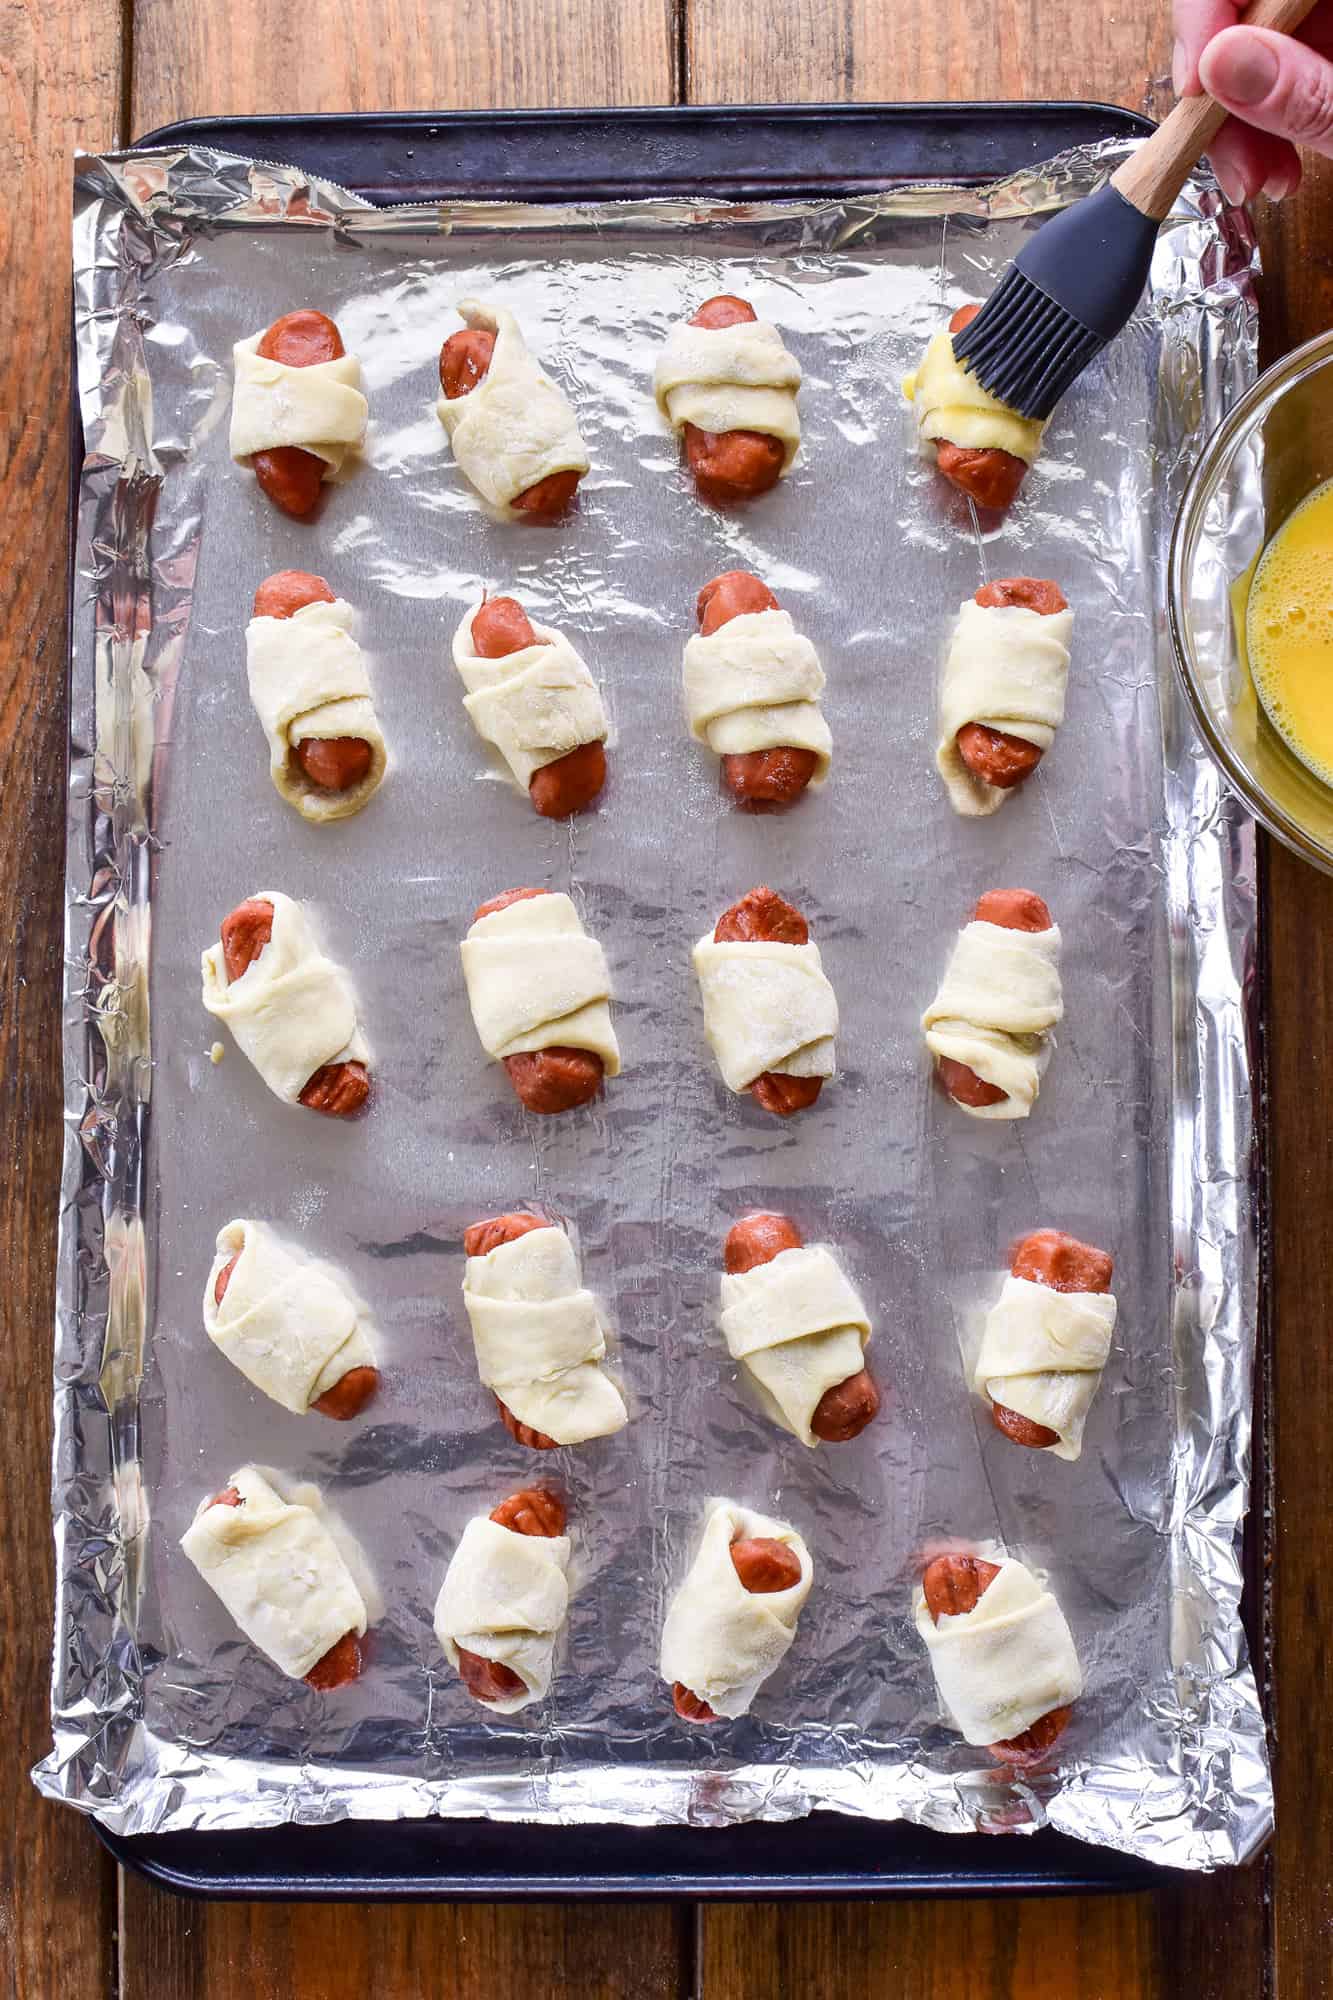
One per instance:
(1213,1804)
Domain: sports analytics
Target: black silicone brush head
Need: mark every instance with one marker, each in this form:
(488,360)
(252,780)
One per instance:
(1067,293)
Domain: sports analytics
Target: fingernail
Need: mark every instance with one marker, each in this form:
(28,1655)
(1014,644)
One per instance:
(1180,69)
(1231,184)
(1242,71)
(1278,186)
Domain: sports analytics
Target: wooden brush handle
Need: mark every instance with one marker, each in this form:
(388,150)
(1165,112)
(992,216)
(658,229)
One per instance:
(1154,176)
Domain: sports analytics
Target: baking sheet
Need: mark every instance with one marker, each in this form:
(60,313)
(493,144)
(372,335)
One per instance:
(164,1719)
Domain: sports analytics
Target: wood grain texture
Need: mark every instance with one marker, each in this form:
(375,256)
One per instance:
(401,55)
(1296,243)
(60,85)
(1032,1949)
(739,51)
(1296,240)
(1300,929)
(536,1951)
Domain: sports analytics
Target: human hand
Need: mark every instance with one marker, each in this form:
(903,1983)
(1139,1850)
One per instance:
(1279,89)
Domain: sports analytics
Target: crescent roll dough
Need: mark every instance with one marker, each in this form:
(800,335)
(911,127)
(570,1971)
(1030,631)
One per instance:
(951,404)
(755,684)
(288,1323)
(321,409)
(308,679)
(515,428)
(535,705)
(539,1338)
(766,1007)
(997,1002)
(1007,669)
(798,1325)
(719,1639)
(1042,1354)
(536,980)
(730,378)
(505,1596)
(278,1571)
(292,1010)
(1005,1663)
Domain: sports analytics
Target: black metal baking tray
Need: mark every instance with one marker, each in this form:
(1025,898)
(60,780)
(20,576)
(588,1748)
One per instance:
(750,152)
(747,152)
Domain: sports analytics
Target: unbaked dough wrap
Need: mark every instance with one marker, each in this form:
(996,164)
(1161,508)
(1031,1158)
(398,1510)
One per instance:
(539,1337)
(288,1323)
(535,705)
(730,378)
(278,1571)
(505,1596)
(1007,669)
(308,679)
(292,1010)
(766,1007)
(1042,1354)
(536,980)
(951,405)
(515,428)
(719,1639)
(755,684)
(997,1002)
(798,1325)
(320,409)
(1005,1663)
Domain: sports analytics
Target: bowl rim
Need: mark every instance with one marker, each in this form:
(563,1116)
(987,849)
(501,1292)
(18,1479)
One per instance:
(1275,382)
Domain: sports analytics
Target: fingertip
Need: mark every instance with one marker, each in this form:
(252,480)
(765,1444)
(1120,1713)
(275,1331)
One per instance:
(1248,163)
(1240,68)
(1232,186)
(1283,175)
(1196,22)
(1235,182)
(1242,160)
(1282,183)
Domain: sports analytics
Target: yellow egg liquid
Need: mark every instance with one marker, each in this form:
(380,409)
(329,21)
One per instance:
(1289,631)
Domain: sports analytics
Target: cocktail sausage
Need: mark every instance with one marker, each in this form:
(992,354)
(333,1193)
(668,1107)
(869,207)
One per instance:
(1049,1257)
(843,1411)
(294,479)
(763,1566)
(547,1081)
(571,782)
(952,1586)
(1010,910)
(334,763)
(533,1511)
(757,778)
(990,477)
(479,1241)
(993,755)
(337,1089)
(763,917)
(731,465)
(465,360)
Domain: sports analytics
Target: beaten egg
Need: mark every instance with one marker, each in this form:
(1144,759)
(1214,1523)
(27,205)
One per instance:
(1289,631)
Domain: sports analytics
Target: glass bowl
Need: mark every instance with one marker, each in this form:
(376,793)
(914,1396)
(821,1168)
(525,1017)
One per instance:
(1263,459)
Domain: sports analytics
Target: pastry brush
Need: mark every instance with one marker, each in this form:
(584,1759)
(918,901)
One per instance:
(1074,286)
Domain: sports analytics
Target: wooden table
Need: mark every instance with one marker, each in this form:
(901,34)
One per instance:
(95,73)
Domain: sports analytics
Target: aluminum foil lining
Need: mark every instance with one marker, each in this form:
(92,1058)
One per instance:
(163,1717)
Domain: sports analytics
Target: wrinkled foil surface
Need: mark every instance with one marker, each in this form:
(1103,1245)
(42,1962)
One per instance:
(1142,1141)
